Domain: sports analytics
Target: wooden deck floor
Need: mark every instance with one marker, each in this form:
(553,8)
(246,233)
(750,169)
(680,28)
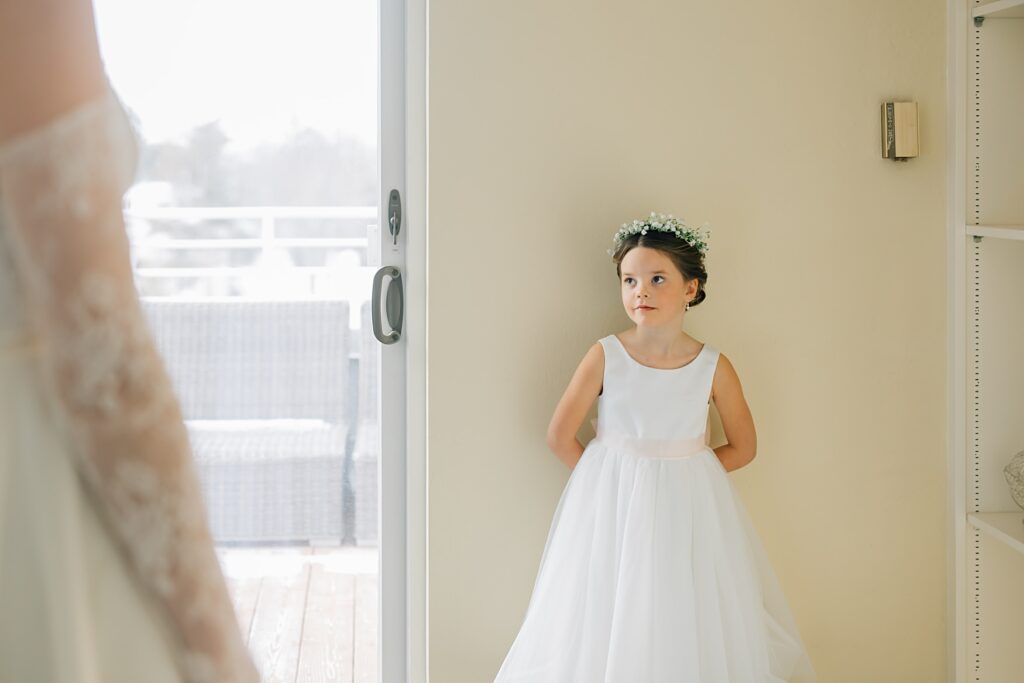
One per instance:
(309,614)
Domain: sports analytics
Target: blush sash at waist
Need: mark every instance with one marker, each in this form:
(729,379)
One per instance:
(652,448)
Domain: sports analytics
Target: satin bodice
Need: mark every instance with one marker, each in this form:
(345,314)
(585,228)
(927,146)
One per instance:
(643,402)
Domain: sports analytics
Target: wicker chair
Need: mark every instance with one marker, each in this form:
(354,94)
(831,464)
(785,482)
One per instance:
(366,453)
(263,387)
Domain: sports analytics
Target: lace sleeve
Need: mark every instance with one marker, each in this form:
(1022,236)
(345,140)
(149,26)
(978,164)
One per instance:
(61,187)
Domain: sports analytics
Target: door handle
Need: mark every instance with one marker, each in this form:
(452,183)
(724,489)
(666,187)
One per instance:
(394,304)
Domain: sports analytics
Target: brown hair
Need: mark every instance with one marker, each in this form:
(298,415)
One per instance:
(686,257)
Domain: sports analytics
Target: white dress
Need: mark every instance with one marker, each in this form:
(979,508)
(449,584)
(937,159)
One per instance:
(108,573)
(652,571)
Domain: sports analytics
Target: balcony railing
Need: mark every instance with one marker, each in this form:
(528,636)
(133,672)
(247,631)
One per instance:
(268,267)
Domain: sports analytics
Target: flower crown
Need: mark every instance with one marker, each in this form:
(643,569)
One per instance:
(657,221)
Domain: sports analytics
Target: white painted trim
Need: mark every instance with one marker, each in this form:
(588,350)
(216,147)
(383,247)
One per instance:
(400,538)
(416,323)
(956,264)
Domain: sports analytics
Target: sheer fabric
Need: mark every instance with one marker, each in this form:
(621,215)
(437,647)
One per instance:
(67,292)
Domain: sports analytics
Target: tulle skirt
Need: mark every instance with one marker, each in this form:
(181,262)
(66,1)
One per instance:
(653,573)
(72,611)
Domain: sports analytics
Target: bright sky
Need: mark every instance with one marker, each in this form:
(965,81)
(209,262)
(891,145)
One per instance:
(264,68)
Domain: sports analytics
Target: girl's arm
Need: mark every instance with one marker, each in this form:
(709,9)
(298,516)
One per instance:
(736,419)
(572,408)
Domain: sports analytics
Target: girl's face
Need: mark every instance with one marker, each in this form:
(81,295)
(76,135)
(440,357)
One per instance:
(653,290)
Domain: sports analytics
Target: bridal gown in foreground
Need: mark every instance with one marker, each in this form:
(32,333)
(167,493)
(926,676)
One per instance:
(652,571)
(107,570)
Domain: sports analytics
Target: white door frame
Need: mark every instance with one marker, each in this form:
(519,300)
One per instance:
(957,26)
(402,154)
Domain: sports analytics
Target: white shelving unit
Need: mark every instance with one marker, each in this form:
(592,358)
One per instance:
(986,339)
(1005,527)
(1002,8)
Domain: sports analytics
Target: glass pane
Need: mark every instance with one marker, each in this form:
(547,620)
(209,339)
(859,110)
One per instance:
(255,201)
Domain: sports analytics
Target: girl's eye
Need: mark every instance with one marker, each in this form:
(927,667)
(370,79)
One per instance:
(628,280)
(659,276)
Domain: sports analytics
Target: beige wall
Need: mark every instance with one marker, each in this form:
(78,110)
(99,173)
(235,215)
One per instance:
(550,123)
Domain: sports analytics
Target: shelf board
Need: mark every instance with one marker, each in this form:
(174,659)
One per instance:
(1007,527)
(1001,8)
(1006,232)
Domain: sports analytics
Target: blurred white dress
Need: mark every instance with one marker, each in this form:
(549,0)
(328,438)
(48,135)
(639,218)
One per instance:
(107,570)
(652,571)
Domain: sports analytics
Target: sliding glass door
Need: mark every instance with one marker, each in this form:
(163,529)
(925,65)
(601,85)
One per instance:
(268,239)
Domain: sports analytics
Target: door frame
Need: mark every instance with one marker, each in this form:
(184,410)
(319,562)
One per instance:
(402,156)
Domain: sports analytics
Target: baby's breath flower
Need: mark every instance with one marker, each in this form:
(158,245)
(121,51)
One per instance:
(696,238)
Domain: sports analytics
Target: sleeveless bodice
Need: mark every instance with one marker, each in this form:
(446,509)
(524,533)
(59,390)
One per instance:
(642,402)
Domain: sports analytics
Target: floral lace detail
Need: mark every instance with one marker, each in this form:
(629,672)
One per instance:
(61,187)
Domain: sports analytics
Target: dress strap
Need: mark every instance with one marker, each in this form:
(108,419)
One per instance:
(710,364)
(614,364)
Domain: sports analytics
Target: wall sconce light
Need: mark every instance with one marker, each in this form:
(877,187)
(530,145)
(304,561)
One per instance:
(899,130)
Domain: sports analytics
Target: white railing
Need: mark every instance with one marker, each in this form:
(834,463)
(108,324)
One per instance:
(270,272)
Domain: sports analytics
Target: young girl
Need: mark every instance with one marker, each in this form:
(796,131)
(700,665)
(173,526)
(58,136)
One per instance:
(652,571)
